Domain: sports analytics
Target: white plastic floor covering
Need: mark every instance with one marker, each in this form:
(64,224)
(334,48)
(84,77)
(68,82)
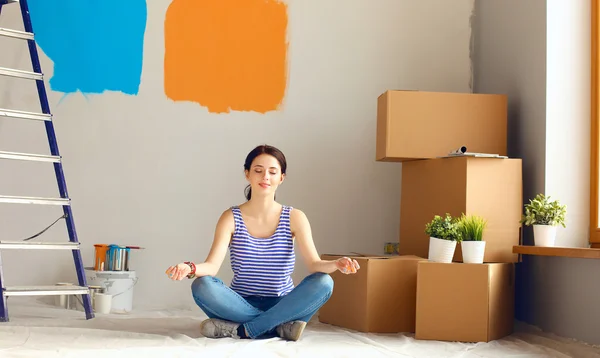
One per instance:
(40,330)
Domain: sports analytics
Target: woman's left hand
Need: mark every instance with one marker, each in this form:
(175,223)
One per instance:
(347,265)
(178,272)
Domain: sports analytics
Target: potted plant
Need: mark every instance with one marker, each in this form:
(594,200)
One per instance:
(471,229)
(544,215)
(443,236)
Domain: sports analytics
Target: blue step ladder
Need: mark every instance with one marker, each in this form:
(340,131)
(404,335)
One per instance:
(46,117)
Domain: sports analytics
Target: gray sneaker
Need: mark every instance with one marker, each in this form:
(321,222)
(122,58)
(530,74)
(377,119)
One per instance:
(291,331)
(218,328)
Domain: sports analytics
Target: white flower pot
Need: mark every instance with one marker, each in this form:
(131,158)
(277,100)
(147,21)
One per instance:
(473,251)
(544,235)
(441,250)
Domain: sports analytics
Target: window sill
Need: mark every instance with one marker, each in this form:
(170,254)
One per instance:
(574,252)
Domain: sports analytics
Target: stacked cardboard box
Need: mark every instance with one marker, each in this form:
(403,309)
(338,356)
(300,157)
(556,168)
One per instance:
(440,301)
(413,125)
(488,187)
(464,302)
(381,297)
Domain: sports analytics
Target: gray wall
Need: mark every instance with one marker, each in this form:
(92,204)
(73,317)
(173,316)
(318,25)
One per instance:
(537,52)
(143,170)
(510,57)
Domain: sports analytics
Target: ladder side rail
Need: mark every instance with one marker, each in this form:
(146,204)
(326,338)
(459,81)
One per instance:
(62,186)
(60,177)
(3,307)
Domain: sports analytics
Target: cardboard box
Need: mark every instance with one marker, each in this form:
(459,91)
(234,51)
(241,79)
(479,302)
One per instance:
(465,302)
(488,187)
(422,125)
(380,297)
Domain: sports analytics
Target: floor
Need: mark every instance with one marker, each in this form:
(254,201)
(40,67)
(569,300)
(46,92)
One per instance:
(37,329)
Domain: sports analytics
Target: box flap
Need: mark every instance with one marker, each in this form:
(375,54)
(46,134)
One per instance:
(404,90)
(351,254)
(371,257)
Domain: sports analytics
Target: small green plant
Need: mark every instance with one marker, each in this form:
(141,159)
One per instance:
(543,211)
(471,227)
(445,228)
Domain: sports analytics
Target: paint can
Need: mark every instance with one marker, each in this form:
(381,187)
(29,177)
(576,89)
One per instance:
(113,257)
(117,258)
(127,253)
(65,301)
(94,290)
(100,257)
(391,248)
(103,303)
(118,284)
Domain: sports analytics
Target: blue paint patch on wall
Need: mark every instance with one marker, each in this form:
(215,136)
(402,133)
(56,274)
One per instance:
(96,46)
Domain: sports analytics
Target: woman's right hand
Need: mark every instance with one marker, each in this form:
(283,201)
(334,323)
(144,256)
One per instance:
(347,265)
(178,272)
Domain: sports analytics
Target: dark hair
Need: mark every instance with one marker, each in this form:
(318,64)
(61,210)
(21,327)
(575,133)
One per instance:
(263,149)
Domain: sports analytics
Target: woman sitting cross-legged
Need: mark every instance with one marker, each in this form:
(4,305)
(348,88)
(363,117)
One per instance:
(261,301)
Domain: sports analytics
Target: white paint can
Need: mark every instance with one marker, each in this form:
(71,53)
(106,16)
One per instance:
(118,284)
(103,303)
(65,301)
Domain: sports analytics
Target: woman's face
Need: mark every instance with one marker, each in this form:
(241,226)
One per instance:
(264,175)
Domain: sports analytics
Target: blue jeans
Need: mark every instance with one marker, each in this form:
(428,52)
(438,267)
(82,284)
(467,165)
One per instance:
(260,315)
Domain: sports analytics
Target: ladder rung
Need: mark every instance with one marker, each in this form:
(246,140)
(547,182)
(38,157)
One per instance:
(31,157)
(45,290)
(33,200)
(16,34)
(21,74)
(24,115)
(17,245)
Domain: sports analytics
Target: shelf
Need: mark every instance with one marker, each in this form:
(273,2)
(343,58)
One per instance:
(574,252)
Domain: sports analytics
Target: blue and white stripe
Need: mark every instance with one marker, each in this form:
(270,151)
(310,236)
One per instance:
(262,266)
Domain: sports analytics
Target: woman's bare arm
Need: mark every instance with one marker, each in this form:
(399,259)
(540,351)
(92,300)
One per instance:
(214,260)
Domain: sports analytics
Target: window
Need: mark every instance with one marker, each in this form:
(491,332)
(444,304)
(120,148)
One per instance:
(595,129)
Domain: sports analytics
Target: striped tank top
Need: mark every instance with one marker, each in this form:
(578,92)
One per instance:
(262,266)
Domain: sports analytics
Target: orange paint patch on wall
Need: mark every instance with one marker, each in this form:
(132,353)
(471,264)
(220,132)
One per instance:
(227,54)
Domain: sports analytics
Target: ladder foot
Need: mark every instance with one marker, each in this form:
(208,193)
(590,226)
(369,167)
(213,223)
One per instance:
(87,306)
(3,310)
